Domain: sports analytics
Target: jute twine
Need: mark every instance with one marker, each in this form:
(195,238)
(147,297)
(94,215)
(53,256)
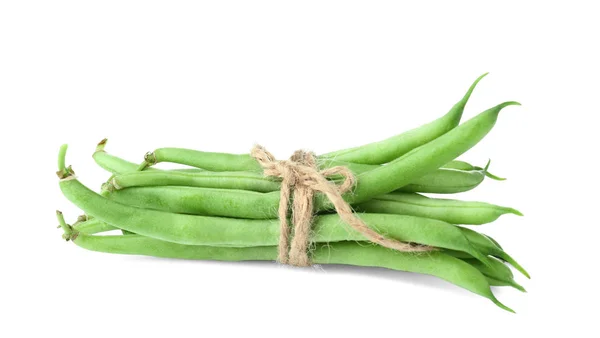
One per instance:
(301,177)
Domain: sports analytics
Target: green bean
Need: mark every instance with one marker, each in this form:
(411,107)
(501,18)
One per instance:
(487,247)
(201,201)
(205,160)
(394,147)
(446,181)
(422,160)
(437,264)
(206,230)
(441,181)
(374,153)
(242,180)
(497,271)
(254,205)
(117,165)
(447,210)
(218,162)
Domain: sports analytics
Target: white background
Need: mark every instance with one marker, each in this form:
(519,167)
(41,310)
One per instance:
(320,75)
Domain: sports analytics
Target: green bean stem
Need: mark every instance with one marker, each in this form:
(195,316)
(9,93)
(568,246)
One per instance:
(448,210)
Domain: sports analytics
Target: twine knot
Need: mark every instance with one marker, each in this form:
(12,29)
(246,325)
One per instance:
(300,175)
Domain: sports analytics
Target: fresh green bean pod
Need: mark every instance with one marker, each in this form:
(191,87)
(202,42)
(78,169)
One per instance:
(422,160)
(217,162)
(241,180)
(118,165)
(441,181)
(374,153)
(211,161)
(446,181)
(447,210)
(201,201)
(111,163)
(396,146)
(437,264)
(254,205)
(496,272)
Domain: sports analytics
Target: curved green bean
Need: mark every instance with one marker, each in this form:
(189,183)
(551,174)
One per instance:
(422,160)
(441,181)
(111,163)
(437,264)
(118,165)
(219,162)
(396,146)
(444,180)
(447,210)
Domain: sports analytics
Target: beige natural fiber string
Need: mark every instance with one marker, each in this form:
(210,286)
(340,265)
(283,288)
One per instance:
(300,176)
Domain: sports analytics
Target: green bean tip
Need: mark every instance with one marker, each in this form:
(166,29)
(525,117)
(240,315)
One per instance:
(518,286)
(509,103)
(497,302)
(514,211)
(69,232)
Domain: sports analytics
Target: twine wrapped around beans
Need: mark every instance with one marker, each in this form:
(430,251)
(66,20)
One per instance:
(301,177)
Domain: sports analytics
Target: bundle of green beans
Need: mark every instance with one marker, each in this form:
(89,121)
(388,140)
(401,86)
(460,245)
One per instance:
(221,206)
